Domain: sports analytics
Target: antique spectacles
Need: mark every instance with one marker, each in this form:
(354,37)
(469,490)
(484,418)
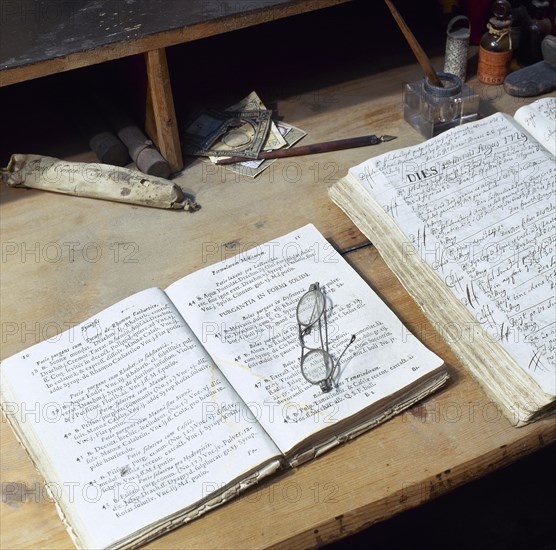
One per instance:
(317,365)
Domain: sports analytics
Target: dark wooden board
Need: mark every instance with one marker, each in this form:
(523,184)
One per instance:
(33,31)
(43,37)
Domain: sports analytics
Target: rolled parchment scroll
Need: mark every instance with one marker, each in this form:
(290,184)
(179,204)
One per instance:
(97,181)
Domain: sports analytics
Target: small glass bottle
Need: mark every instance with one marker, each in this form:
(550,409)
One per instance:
(519,14)
(535,27)
(495,50)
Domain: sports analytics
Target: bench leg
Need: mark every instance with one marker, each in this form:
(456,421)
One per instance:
(161,116)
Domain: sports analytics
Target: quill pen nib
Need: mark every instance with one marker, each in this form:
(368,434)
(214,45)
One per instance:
(387,138)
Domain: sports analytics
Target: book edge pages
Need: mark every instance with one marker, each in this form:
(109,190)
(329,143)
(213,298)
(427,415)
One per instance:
(149,532)
(34,456)
(515,397)
(183,517)
(403,402)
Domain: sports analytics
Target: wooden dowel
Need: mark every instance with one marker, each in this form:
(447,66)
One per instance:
(163,108)
(420,54)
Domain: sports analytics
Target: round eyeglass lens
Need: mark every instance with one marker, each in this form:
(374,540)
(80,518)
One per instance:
(310,307)
(316,366)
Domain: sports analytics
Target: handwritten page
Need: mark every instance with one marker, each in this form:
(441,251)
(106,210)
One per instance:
(243,310)
(539,119)
(124,408)
(478,205)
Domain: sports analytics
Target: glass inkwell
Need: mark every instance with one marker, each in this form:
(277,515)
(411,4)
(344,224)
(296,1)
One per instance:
(432,109)
(439,101)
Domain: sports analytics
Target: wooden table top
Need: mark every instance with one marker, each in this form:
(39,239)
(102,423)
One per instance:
(42,37)
(449,439)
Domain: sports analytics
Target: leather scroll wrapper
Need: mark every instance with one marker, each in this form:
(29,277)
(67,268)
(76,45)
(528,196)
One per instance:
(97,181)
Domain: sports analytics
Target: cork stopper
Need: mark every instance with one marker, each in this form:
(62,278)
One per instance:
(502,14)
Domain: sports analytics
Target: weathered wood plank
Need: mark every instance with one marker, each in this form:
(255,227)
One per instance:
(160,94)
(66,35)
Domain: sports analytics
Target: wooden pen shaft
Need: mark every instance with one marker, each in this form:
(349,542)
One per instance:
(420,54)
(324,147)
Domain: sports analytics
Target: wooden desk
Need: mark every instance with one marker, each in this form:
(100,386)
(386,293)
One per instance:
(44,37)
(450,439)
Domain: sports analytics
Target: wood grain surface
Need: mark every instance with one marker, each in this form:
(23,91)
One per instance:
(453,437)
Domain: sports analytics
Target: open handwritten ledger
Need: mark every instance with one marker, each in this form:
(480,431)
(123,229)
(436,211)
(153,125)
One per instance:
(467,221)
(169,403)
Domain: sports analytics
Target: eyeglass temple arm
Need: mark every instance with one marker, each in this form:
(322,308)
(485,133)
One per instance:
(345,349)
(325,385)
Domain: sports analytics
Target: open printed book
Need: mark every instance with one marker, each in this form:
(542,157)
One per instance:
(168,403)
(467,221)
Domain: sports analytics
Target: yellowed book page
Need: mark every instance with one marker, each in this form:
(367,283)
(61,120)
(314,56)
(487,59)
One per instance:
(243,310)
(539,119)
(477,204)
(120,413)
